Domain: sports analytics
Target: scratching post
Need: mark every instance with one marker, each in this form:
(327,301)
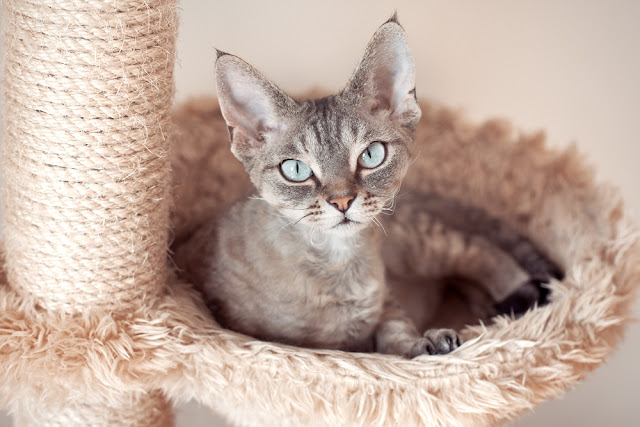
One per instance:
(88,91)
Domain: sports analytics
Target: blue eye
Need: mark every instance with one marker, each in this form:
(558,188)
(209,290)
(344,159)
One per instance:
(295,170)
(373,156)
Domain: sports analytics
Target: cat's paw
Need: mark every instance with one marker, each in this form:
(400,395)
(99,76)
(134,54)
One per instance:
(523,298)
(435,341)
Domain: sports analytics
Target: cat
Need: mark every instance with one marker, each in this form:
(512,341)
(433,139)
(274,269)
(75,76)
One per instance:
(301,263)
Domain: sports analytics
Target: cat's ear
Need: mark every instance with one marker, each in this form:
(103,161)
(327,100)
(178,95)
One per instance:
(385,78)
(251,105)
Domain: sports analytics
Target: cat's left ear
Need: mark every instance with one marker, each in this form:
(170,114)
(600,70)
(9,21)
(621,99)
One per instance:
(385,78)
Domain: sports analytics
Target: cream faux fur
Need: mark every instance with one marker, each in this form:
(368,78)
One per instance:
(505,368)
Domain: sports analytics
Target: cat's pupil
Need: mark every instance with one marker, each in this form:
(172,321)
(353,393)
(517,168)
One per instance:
(372,156)
(295,170)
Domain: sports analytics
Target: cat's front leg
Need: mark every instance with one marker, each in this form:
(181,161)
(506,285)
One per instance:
(396,334)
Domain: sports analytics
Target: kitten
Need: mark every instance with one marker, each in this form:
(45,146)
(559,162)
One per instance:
(301,264)
(304,263)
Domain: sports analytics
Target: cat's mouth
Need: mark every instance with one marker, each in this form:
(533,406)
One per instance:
(345,222)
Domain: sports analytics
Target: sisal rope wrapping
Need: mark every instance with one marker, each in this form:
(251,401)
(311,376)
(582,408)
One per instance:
(88,88)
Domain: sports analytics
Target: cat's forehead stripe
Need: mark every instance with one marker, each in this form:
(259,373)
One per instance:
(328,124)
(315,128)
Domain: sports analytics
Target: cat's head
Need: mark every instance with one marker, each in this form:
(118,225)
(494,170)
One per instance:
(335,162)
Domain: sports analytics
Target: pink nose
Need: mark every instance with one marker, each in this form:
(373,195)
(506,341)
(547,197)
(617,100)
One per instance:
(341,203)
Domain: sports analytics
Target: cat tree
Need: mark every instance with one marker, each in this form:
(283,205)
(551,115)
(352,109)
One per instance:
(96,329)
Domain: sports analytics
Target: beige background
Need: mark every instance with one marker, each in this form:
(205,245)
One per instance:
(570,67)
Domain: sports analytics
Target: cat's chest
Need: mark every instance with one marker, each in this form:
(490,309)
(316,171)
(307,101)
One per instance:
(334,295)
(339,306)
(327,294)
(338,270)
(358,282)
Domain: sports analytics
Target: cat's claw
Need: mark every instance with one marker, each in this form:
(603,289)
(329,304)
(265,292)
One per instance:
(435,341)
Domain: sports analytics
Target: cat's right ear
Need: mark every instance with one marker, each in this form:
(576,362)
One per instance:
(251,105)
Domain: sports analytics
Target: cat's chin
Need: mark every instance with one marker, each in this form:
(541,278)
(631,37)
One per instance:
(342,231)
(346,228)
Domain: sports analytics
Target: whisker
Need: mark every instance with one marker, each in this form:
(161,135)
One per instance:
(379,224)
(318,244)
(395,194)
(270,210)
(283,227)
(387,211)
(391,209)
(293,223)
(414,159)
(390,204)
(303,217)
(405,193)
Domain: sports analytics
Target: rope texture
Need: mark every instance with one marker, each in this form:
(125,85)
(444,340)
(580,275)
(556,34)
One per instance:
(88,88)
